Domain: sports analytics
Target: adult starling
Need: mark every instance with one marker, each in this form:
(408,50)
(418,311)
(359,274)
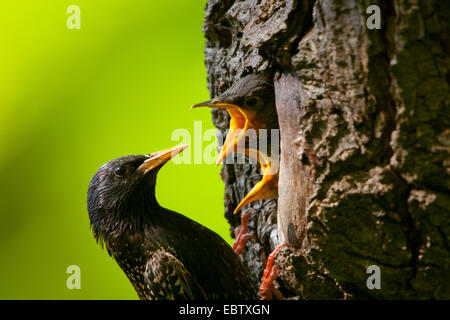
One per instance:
(164,254)
(250,102)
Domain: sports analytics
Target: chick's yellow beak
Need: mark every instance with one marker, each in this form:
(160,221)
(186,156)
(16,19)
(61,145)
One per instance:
(239,124)
(268,186)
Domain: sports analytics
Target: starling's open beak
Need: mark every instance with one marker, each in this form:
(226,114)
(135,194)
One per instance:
(239,124)
(160,158)
(268,186)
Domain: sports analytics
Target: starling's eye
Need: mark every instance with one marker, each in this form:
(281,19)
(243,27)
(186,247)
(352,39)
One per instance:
(251,102)
(121,171)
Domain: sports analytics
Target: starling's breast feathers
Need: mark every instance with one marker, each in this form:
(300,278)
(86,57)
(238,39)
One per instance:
(167,278)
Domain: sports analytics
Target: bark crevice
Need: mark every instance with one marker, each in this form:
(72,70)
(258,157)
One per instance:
(365,141)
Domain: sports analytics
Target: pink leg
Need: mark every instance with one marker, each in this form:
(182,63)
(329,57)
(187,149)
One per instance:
(269,275)
(241,233)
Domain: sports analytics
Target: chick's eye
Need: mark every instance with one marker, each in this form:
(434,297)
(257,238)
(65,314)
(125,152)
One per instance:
(120,171)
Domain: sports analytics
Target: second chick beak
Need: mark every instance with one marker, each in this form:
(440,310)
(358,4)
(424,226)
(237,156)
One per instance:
(268,186)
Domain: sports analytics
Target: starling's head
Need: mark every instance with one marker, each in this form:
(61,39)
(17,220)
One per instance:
(123,189)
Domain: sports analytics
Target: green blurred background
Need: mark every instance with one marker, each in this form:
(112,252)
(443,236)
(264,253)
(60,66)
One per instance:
(71,100)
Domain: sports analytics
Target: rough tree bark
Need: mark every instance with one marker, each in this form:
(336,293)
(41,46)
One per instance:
(365,140)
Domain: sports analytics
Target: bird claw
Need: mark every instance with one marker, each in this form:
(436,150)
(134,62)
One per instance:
(270,274)
(267,285)
(241,233)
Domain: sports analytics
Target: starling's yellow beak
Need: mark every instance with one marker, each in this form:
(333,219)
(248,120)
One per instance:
(268,186)
(239,124)
(160,158)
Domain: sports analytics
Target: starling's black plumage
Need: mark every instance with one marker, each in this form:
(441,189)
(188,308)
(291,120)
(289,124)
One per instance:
(164,254)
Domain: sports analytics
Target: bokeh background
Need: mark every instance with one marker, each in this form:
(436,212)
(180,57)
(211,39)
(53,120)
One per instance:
(70,100)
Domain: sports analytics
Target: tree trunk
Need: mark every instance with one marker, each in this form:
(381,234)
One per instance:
(365,139)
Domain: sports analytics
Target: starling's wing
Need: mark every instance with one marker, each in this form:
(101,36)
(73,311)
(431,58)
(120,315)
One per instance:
(168,279)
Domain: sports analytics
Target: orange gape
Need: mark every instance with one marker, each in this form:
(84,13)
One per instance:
(241,120)
(239,124)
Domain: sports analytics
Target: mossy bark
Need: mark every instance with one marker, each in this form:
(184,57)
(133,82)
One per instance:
(365,140)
